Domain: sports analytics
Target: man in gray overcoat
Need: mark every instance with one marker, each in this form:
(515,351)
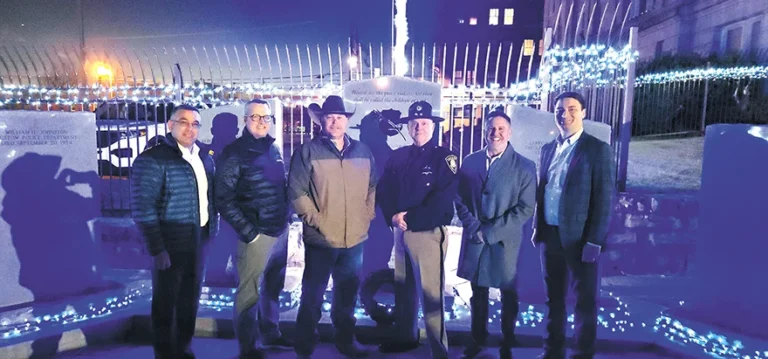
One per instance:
(497,191)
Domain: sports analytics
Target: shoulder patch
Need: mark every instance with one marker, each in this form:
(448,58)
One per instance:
(453,163)
(210,152)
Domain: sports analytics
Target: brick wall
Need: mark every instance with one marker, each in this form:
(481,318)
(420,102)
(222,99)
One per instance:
(651,234)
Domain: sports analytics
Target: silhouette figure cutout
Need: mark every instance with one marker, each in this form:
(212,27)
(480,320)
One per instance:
(220,270)
(49,227)
(375,128)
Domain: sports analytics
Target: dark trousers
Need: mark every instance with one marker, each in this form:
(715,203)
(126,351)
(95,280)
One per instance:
(509,308)
(557,263)
(175,298)
(344,264)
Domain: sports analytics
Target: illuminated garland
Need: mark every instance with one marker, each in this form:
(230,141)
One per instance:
(576,68)
(11,95)
(615,318)
(594,65)
(726,73)
(587,65)
(715,345)
(210,300)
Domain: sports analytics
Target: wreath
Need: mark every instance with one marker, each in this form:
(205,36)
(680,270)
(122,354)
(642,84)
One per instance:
(382,314)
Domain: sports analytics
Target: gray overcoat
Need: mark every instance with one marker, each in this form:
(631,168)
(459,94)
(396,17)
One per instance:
(497,203)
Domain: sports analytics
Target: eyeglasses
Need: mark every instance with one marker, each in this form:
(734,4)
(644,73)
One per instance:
(265,118)
(185,124)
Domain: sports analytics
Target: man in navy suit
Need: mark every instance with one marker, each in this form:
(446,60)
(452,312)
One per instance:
(571,220)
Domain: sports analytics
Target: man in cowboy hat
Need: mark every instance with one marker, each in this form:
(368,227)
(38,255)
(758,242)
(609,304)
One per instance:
(332,186)
(416,195)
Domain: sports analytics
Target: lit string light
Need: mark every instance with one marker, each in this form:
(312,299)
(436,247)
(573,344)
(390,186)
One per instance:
(576,68)
(727,73)
(16,327)
(597,65)
(716,345)
(614,317)
(200,95)
(211,299)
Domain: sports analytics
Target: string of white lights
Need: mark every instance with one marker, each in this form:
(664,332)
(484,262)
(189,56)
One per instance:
(594,65)
(720,73)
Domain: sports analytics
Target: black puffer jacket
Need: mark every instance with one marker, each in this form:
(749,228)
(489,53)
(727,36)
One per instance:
(251,187)
(165,198)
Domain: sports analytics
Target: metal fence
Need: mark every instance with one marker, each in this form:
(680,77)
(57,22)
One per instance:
(137,88)
(685,102)
(220,72)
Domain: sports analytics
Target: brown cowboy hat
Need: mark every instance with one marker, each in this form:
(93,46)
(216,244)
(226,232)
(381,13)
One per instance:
(332,105)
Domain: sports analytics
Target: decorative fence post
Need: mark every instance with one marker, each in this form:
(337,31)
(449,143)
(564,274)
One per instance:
(704,102)
(625,130)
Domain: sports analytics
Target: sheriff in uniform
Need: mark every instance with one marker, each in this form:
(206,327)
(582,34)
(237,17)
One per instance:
(416,193)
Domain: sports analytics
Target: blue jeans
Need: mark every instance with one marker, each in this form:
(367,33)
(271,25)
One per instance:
(344,264)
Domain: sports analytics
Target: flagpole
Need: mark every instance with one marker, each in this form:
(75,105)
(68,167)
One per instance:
(392,35)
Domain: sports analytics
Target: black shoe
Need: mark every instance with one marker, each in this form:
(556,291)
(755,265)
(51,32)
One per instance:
(398,347)
(281,343)
(505,353)
(472,351)
(253,354)
(549,355)
(353,350)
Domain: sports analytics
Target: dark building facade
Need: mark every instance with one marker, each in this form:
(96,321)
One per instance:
(666,26)
(483,32)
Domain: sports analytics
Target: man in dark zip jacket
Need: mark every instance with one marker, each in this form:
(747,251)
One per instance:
(251,195)
(172,205)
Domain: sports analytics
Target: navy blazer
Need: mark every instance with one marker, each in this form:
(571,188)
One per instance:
(587,197)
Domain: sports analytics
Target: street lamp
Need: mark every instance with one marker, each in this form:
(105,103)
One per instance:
(102,71)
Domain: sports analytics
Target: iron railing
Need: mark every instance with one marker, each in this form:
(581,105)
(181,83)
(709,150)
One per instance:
(679,103)
(145,84)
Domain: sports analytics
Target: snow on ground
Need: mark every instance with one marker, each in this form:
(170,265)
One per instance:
(665,165)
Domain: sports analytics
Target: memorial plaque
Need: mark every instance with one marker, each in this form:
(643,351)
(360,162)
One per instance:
(532,129)
(729,258)
(49,203)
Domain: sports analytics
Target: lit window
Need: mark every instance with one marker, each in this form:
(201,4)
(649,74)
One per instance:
(493,17)
(509,16)
(528,48)
(473,21)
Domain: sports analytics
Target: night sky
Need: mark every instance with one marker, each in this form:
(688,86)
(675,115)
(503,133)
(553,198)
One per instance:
(148,23)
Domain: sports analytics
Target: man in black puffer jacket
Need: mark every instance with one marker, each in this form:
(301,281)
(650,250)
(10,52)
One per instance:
(172,205)
(251,195)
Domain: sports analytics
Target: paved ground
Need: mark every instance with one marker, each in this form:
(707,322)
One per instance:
(206,348)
